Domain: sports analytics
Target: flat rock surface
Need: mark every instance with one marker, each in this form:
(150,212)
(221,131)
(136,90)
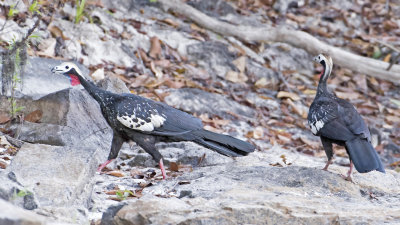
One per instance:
(250,190)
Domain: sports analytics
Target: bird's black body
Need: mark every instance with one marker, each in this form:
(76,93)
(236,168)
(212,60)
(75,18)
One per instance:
(337,121)
(147,122)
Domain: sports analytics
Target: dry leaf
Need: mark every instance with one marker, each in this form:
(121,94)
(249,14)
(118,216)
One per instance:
(298,108)
(4,118)
(98,74)
(112,192)
(47,47)
(157,71)
(143,56)
(126,35)
(174,84)
(34,116)
(139,81)
(258,133)
(262,83)
(57,32)
(285,94)
(213,129)
(115,173)
(163,63)
(235,77)
(173,166)
(392,119)
(3,165)
(240,63)
(155,48)
(283,138)
(387,58)
(347,95)
(197,28)
(310,92)
(170,22)
(311,143)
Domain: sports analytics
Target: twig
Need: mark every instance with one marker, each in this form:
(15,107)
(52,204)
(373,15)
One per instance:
(392,60)
(23,40)
(295,38)
(387,45)
(2,28)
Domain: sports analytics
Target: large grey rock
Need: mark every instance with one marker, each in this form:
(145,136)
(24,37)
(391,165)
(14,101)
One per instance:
(59,177)
(285,57)
(14,192)
(70,117)
(213,8)
(251,191)
(199,102)
(215,57)
(187,153)
(38,81)
(13,215)
(97,51)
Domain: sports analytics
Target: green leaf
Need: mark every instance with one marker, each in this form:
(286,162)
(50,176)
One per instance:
(12,11)
(34,7)
(377,52)
(80,6)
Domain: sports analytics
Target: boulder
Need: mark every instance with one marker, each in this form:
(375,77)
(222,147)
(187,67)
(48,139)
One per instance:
(262,188)
(187,153)
(59,177)
(13,215)
(69,117)
(199,102)
(38,81)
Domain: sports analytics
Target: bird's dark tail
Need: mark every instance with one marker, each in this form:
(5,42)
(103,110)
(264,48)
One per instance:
(364,156)
(223,144)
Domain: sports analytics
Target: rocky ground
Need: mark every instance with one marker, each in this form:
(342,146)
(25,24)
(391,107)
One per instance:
(258,92)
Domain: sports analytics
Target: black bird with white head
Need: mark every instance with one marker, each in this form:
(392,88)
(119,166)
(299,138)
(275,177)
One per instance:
(147,122)
(337,121)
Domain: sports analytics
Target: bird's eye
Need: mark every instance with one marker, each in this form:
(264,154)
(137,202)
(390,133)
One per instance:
(67,67)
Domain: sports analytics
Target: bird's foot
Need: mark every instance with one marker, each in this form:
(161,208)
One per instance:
(348,177)
(164,175)
(101,167)
(327,165)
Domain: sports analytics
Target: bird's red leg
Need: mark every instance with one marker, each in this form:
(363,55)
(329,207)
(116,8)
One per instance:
(349,172)
(164,175)
(104,165)
(327,164)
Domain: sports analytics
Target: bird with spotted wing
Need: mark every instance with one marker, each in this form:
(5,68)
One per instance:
(337,121)
(147,122)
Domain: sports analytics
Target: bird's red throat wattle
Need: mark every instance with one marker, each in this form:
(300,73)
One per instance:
(322,72)
(74,79)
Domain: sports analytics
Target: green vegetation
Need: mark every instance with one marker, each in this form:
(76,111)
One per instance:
(12,11)
(15,79)
(34,7)
(20,193)
(80,7)
(121,194)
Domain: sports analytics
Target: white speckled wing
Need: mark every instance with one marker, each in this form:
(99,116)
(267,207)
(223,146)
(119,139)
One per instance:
(136,123)
(320,114)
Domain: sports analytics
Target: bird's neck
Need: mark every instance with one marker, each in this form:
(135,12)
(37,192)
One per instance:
(97,93)
(322,86)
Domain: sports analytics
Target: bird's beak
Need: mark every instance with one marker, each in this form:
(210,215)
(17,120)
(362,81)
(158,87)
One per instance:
(56,70)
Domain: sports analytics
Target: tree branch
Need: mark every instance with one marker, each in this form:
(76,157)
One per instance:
(300,39)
